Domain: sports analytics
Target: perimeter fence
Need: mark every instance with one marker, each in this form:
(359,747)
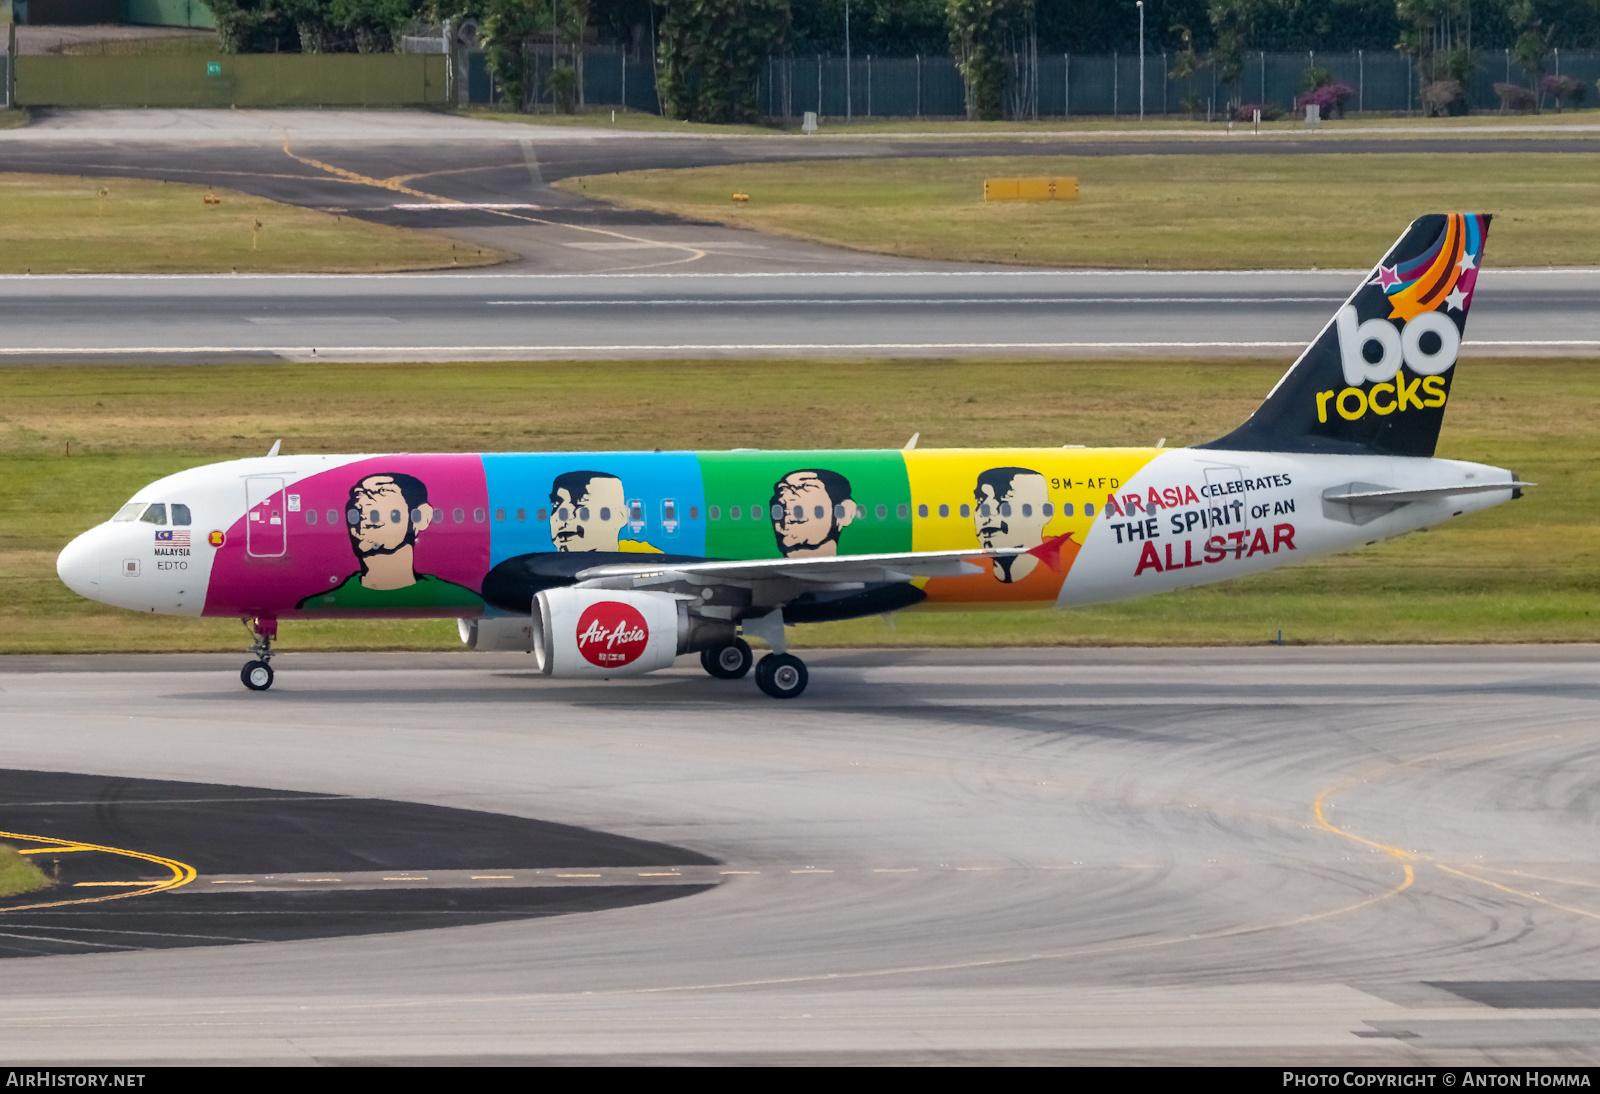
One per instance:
(1059,86)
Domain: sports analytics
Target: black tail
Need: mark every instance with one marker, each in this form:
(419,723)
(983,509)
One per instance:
(1377,378)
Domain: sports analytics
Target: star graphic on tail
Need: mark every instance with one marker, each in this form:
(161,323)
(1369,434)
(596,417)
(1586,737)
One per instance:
(1386,278)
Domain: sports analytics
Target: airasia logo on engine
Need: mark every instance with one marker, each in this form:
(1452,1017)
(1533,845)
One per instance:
(611,634)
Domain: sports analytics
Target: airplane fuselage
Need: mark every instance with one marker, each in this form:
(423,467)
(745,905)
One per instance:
(334,536)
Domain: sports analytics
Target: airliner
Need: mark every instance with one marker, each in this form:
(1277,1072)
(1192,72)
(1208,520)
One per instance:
(613,564)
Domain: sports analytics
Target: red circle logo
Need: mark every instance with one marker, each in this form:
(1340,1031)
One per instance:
(612,634)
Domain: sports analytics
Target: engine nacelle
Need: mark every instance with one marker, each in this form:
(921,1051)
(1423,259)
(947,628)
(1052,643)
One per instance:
(512,633)
(606,632)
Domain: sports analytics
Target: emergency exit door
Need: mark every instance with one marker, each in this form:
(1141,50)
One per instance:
(265,529)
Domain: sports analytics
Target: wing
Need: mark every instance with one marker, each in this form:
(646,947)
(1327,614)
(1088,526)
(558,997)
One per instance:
(828,570)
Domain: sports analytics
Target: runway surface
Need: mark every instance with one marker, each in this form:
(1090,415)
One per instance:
(1250,855)
(659,314)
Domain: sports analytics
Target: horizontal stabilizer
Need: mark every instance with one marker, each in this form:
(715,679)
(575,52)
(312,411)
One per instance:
(1359,493)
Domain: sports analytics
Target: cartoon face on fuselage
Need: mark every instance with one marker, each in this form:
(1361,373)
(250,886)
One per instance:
(386,520)
(1010,512)
(810,508)
(588,510)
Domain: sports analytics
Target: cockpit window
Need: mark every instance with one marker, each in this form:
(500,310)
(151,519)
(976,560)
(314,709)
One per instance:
(130,511)
(180,514)
(156,514)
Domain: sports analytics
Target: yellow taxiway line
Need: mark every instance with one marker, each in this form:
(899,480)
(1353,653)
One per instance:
(182,873)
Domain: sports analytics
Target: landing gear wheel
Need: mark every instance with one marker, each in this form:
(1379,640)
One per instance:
(728,662)
(781,675)
(256,675)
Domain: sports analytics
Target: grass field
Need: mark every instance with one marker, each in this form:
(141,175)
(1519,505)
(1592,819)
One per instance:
(1156,212)
(61,224)
(17,874)
(76,443)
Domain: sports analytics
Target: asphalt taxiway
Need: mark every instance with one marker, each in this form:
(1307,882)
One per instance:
(661,314)
(1264,855)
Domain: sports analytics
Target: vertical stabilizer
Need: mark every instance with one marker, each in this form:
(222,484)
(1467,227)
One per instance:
(1376,380)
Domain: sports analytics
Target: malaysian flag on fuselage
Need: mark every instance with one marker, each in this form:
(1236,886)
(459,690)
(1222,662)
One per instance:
(172,537)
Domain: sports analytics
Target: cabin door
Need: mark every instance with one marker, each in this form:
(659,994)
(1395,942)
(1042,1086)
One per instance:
(266,524)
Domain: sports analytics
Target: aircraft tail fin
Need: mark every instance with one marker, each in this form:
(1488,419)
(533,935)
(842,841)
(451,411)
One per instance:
(1376,379)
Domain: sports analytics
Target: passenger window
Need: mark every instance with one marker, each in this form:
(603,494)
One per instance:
(1027,510)
(635,514)
(944,510)
(605,512)
(156,514)
(333,516)
(777,512)
(394,516)
(904,511)
(522,515)
(500,516)
(130,511)
(1066,509)
(180,514)
(1005,509)
(983,510)
(733,512)
(818,512)
(669,512)
(583,512)
(541,515)
(838,512)
(311,516)
(922,510)
(352,517)
(1048,510)
(883,512)
(1088,508)
(715,511)
(479,515)
(966,510)
(460,515)
(694,512)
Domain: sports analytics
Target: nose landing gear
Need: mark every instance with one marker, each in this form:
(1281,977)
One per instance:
(257,674)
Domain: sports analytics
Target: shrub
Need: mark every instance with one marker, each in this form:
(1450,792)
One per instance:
(1444,97)
(1513,97)
(1330,97)
(1245,112)
(1563,87)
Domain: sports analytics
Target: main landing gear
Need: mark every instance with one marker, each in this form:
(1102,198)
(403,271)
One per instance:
(780,675)
(729,661)
(257,674)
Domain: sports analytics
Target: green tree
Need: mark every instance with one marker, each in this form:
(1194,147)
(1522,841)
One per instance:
(978,30)
(252,26)
(1233,26)
(1438,36)
(1532,45)
(510,32)
(374,24)
(1186,65)
(710,56)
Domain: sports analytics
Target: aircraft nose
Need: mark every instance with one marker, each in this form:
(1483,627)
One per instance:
(78,565)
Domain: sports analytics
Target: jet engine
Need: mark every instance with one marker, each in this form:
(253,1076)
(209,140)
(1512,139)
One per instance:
(607,632)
